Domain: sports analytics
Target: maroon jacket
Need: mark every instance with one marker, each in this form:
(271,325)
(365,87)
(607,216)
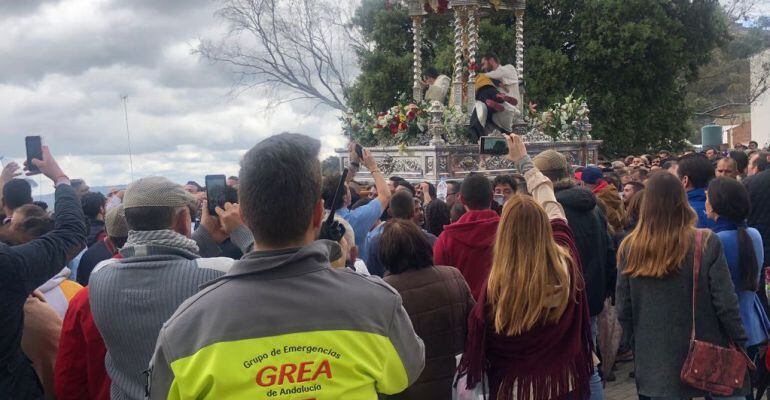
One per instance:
(467,245)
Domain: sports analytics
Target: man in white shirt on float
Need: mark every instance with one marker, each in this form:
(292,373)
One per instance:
(505,74)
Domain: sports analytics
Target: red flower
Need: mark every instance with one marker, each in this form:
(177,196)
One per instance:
(473,66)
(411,116)
(394,128)
(403,126)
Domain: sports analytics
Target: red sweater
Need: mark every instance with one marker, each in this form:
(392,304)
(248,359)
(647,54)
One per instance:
(79,372)
(467,245)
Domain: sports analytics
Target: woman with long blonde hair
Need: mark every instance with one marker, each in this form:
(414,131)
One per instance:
(655,289)
(530,330)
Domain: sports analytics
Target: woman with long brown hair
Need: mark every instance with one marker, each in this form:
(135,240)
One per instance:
(530,330)
(655,288)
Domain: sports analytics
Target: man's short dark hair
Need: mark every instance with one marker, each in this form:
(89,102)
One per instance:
(193,183)
(402,205)
(698,170)
(476,191)
(284,165)
(16,193)
(233,178)
(763,161)
(504,180)
(406,185)
(638,186)
(360,203)
(741,160)
(43,205)
(76,183)
(231,194)
(669,164)
(456,185)
(150,218)
(430,72)
(328,189)
(436,216)
(492,56)
(93,203)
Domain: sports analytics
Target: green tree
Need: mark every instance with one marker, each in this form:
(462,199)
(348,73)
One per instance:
(631,58)
(724,88)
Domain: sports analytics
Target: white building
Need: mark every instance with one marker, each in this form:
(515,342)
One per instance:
(760,109)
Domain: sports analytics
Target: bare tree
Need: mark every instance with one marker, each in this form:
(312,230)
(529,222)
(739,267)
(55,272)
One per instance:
(739,9)
(302,46)
(733,85)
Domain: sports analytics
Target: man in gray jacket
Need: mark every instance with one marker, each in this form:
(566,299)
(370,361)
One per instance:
(282,323)
(161,267)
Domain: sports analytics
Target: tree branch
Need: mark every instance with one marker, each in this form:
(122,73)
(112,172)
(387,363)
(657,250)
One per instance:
(299,45)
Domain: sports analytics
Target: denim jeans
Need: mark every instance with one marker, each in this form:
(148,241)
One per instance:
(597,389)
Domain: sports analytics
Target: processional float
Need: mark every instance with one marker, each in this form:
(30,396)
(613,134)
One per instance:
(439,154)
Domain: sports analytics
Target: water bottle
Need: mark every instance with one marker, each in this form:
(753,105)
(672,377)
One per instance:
(441,189)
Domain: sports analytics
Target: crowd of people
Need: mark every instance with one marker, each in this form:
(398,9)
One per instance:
(529,286)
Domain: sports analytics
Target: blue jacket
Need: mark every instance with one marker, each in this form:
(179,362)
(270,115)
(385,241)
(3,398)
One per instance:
(755,321)
(697,200)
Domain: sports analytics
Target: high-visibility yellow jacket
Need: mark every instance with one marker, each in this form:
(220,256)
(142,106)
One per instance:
(284,325)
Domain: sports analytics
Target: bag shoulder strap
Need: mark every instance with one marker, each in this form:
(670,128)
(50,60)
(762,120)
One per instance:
(696,275)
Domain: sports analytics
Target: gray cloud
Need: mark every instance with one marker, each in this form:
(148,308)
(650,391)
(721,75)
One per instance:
(67,63)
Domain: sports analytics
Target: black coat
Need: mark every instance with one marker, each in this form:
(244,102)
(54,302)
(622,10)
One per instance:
(758,187)
(759,191)
(596,248)
(91,258)
(22,269)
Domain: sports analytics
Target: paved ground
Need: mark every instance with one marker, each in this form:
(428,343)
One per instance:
(624,387)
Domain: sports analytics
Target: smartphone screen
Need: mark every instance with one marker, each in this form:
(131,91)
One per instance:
(493,145)
(215,192)
(359,151)
(34,151)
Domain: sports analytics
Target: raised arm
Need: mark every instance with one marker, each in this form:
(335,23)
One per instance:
(383,193)
(40,259)
(538,185)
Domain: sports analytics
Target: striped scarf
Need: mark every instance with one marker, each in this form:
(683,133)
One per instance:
(163,237)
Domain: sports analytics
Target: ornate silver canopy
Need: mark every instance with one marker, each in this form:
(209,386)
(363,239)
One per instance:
(466,36)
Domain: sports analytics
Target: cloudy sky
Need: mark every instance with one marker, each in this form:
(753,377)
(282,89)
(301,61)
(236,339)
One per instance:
(66,64)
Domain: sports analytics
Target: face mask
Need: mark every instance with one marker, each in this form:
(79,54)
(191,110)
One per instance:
(499,199)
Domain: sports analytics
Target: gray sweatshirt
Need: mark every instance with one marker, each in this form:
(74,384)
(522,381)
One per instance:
(132,298)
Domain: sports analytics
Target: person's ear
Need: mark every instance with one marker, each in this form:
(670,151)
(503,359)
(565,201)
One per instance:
(685,181)
(183,222)
(318,214)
